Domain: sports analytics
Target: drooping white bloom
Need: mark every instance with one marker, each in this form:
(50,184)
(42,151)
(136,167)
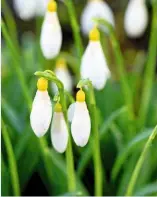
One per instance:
(41,7)
(81,124)
(94,64)
(51,34)
(95,9)
(59,131)
(136,18)
(41,113)
(25,9)
(63,75)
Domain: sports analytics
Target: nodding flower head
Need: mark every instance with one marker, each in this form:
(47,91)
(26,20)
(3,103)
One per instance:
(52,6)
(41,113)
(80,96)
(42,84)
(94,34)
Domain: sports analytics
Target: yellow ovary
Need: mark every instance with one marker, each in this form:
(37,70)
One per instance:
(42,84)
(52,6)
(80,96)
(94,34)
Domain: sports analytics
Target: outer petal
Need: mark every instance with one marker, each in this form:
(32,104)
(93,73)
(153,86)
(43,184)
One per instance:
(41,113)
(65,77)
(51,36)
(71,110)
(94,65)
(59,132)
(94,9)
(81,124)
(136,18)
(25,9)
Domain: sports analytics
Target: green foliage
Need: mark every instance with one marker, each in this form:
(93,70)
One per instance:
(126,116)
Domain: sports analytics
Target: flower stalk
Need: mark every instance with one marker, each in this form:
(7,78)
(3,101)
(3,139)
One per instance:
(75,28)
(48,74)
(149,70)
(96,142)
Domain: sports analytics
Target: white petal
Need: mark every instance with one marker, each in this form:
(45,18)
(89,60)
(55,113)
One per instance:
(81,124)
(65,77)
(59,132)
(51,36)
(136,18)
(94,9)
(25,9)
(41,7)
(71,110)
(41,113)
(94,65)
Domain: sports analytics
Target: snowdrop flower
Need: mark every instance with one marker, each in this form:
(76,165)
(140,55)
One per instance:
(51,35)
(41,7)
(25,9)
(136,18)
(81,124)
(94,64)
(41,109)
(59,131)
(63,75)
(93,9)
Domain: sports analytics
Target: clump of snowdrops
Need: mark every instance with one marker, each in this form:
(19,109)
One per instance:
(75,122)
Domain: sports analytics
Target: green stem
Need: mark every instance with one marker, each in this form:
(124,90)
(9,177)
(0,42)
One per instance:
(69,152)
(11,24)
(17,66)
(96,145)
(150,70)
(12,161)
(75,28)
(140,163)
(122,72)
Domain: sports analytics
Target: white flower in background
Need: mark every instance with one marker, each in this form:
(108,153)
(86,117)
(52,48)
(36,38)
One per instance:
(59,130)
(41,7)
(136,18)
(63,75)
(81,124)
(94,64)
(51,34)
(41,113)
(95,9)
(26,9)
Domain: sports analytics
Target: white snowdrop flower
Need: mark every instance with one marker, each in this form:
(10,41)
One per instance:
(41,113)
(71,110)
(41,7)
(59,130)
(95,9)
(51,34)
(63,75)
(25,9)
(136,18)
(81,124)
(94,64)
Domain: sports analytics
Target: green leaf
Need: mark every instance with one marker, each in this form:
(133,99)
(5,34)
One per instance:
(127,150)
(4,179)
(147,190)
(57,169)
(87,154)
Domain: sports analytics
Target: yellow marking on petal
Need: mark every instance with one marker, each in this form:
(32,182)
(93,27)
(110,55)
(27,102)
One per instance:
(52,6)
(58,107)
(80,96)
(42,84)
(94,34)
(61,63)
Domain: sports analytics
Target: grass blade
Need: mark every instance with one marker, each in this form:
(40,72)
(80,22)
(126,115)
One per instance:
(12,161)
(140,163)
